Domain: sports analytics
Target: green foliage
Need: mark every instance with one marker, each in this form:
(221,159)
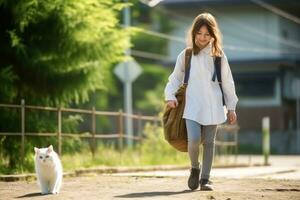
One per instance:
(147,91)
(149,88)
(146,18)
(149,43)
(156,150)
(156,19)
(8,90)
(51,45)
(153,150)
(161,19)
(153,101)
(53,52)
(62,52)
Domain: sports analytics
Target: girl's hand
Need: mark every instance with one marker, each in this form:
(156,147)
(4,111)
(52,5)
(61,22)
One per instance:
(172,103)
(231,116)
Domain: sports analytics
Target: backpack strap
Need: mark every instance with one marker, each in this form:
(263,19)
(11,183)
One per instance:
(187,64)
(217,73)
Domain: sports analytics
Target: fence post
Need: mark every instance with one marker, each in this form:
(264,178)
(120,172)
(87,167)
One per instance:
(22,130)
(140,128)
(59,130)
(236,144)
(93,131)
(156,123)
(266,139)
(121,130)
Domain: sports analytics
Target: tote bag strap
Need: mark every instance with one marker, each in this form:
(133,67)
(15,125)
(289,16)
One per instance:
(187,64)
(217,74)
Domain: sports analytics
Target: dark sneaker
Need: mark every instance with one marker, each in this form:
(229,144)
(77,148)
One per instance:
(193,181)
(205,185)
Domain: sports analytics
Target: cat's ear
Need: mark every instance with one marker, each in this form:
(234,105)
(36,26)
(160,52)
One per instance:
(36,150)
(50,149)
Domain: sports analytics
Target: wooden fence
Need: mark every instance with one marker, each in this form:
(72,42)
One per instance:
(119,134)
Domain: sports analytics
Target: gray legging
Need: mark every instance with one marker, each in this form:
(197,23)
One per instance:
(198,133)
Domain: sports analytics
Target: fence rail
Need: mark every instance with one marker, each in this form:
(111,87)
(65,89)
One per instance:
(119,134)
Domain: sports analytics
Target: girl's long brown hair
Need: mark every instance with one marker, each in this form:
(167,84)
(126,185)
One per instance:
(206,19)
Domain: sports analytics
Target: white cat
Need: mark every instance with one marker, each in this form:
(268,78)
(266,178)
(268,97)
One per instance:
(48,169)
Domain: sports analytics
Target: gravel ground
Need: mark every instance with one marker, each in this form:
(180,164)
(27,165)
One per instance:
(92,187)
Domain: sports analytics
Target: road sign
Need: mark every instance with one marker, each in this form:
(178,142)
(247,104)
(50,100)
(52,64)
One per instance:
(128,71)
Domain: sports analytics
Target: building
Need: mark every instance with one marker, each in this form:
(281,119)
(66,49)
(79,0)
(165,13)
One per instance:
(263,49)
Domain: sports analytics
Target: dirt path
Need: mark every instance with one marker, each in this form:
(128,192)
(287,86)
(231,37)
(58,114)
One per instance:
(112,187)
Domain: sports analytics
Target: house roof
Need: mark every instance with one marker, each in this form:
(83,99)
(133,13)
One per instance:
(290,6)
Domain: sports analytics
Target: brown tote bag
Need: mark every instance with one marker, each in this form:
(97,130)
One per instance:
(174,125)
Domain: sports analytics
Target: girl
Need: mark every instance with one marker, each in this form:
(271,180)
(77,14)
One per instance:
(204,108)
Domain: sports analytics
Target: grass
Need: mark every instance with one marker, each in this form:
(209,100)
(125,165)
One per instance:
(153,150)
(110,157)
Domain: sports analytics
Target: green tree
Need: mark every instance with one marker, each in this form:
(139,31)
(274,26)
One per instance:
(149,88)
(55,52)
(59,48)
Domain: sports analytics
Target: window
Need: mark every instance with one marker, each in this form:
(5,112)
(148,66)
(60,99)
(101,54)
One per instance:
(255,85)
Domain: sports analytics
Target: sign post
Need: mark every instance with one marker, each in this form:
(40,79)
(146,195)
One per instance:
(127,72)
(266,139)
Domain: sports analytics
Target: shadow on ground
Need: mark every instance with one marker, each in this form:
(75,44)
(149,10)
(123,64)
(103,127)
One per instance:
(151,194)
(30,195)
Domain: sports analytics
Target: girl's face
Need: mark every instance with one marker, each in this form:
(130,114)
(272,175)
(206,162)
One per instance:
(202,37)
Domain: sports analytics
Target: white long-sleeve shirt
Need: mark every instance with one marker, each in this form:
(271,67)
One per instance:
(203,96)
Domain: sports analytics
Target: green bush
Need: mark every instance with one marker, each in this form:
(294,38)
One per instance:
(153,150)
(148,89)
